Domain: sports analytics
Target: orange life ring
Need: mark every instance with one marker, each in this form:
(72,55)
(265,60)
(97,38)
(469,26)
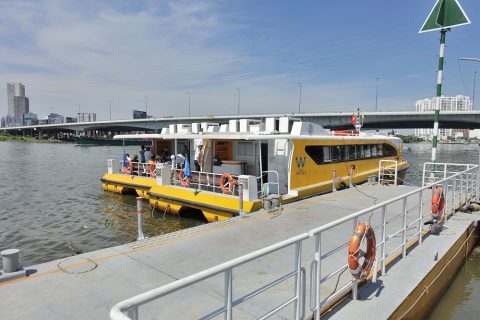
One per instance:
(438,203)
(363,230)
(225,180)
(151,169)
(184,182)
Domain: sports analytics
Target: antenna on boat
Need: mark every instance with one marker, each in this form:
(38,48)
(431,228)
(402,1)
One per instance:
(357,120)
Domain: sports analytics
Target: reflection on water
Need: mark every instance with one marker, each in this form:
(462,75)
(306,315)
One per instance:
(52,206)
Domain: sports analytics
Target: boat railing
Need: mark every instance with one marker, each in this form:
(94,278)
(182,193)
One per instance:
(136,169)
(264,182)
(206,181)
(398,222)
(388,172)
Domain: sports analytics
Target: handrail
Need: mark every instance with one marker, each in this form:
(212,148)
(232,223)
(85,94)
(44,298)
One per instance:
(275,183)
(377,206)
(117,311)
(458,189)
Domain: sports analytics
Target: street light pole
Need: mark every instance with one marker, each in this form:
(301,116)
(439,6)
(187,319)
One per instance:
(300,98)
(189,94)
(238,106)
(376,98)
(474,77)
(110,102)
(146,105)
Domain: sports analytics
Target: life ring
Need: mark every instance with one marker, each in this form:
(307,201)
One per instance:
(363,230)
(151,169)
(438,203)
(226,183)
(184,182)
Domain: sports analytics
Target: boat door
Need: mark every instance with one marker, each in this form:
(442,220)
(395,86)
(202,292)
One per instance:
(264,151)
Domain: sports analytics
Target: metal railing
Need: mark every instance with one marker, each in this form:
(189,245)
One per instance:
(131,306)
(137,169)
(398,222)
(387,171)
(207,181)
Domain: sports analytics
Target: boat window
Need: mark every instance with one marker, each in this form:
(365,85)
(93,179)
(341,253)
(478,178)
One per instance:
(352,154)
(389,151)
(316,153)
(329,154)
(245,148)
(367,151)
(326,154)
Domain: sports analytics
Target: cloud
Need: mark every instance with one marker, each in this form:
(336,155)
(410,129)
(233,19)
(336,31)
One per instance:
(90,52)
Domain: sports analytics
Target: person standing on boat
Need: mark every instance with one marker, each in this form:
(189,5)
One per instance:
(198,157)
(142,154)
(148,154)
(178,161)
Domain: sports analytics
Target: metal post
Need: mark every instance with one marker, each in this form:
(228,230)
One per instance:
(228,294)
(454,192)
(298,288)
(404,205)
(334,188)
(133,313)
(140,219)
(318,276)
(384,241)
(350,177)
(354,289)
(445,195)
(240,199)
(439,94)
(420,216)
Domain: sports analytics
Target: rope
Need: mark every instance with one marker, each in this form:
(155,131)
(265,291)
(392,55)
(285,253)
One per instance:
(425,289)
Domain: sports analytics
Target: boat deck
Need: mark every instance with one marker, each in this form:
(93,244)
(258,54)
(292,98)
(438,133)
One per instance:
(88,285)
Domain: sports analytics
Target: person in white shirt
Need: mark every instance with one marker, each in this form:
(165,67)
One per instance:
(178,161)
(198,157)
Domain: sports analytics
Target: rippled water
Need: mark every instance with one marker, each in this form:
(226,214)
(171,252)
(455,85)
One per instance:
(52,206)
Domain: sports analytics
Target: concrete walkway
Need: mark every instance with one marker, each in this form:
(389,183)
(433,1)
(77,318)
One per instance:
(88,285)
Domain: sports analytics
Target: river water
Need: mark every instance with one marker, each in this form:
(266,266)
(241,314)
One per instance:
(52,205)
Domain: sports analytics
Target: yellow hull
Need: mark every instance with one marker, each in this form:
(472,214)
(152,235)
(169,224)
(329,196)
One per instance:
(122,184)
(213,206)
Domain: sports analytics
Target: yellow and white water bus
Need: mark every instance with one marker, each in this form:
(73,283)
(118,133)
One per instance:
(278,160)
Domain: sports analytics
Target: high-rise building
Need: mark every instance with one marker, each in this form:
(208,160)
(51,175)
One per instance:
(457,103)
(18,104)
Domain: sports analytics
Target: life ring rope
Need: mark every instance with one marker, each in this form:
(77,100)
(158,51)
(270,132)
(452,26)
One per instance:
(362,232)
(227,183)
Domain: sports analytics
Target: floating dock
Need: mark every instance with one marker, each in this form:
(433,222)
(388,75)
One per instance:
(87,286)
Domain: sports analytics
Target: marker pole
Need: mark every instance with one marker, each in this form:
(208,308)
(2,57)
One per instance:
(439,94)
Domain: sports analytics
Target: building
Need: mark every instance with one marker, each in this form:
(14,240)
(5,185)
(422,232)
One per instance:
(53,118)
(30,119)
(86,117)
(457,103)
(18,104)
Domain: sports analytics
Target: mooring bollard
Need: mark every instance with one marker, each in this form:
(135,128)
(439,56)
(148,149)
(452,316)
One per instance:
(10,260)
(140,219)
(240,199)
(334,180)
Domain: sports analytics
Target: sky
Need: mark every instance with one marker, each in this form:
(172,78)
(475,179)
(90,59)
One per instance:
(156,55)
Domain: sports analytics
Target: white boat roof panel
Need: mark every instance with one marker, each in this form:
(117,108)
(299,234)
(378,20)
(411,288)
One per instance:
(244,136)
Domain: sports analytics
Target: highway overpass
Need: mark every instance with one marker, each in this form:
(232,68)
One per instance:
(333,120)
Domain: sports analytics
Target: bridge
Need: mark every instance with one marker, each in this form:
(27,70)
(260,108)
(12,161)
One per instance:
(333,120)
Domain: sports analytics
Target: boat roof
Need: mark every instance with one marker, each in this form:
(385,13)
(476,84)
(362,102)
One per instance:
(244,136)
